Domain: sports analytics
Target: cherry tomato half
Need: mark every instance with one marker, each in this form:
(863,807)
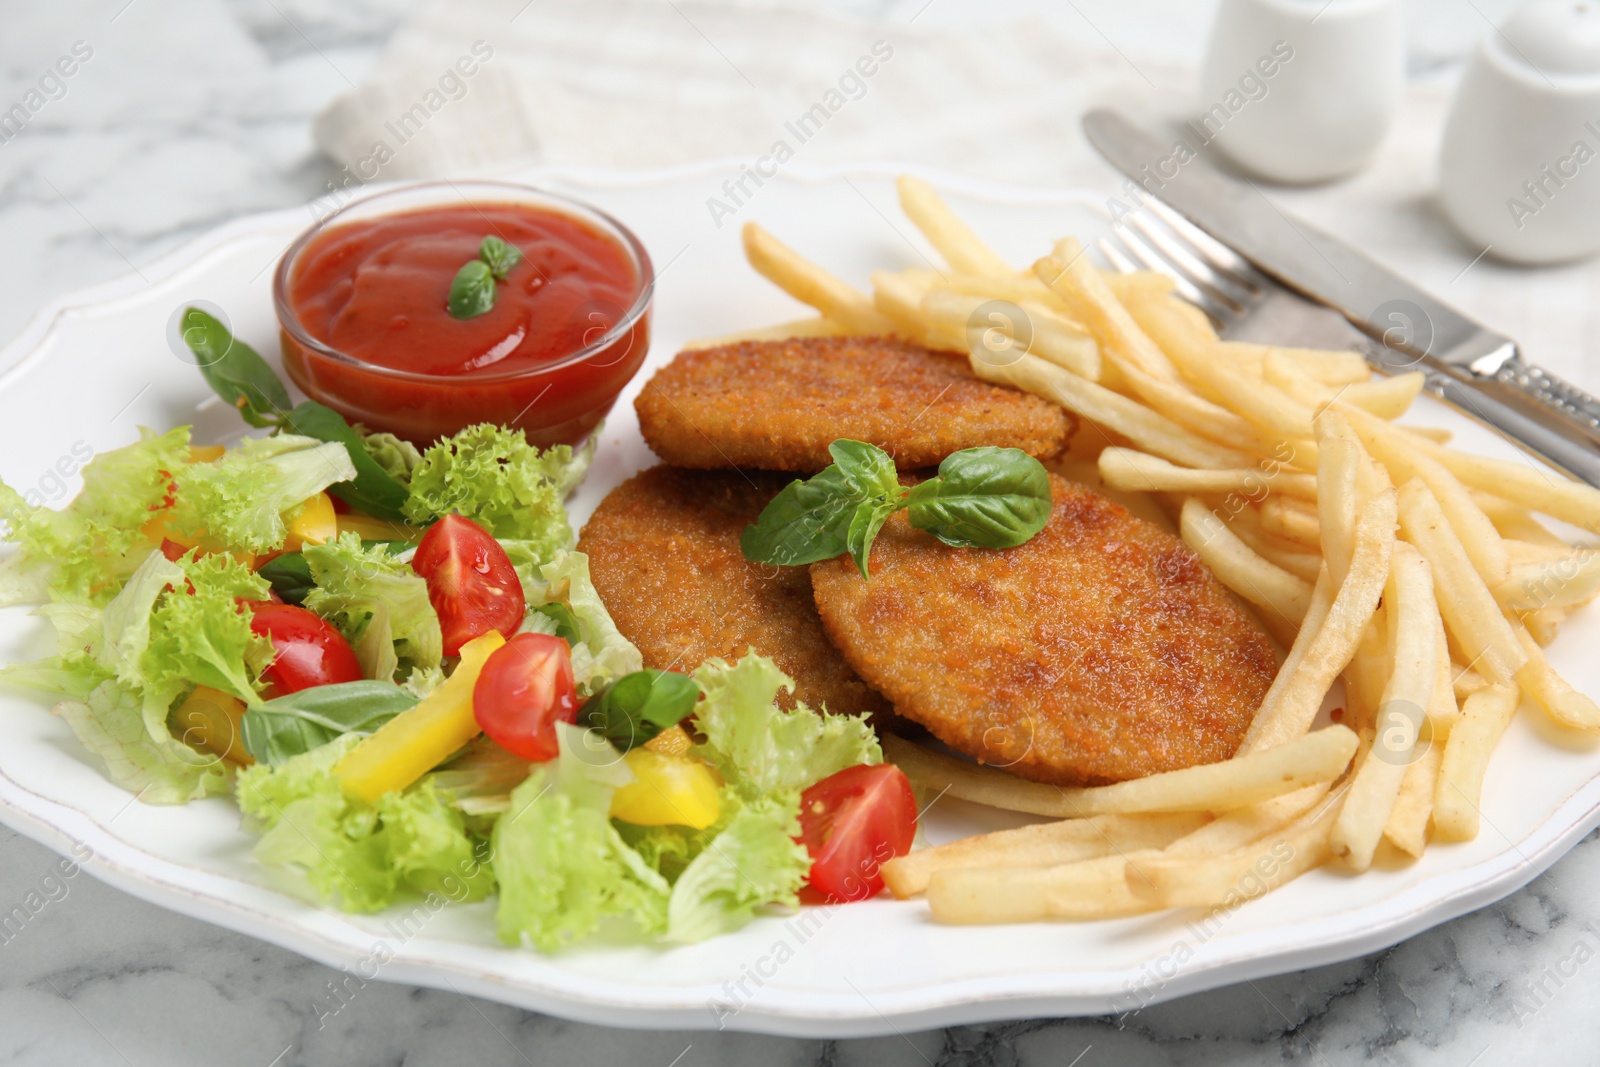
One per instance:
(853,822)
(524,689)
(471,583)
(310,652)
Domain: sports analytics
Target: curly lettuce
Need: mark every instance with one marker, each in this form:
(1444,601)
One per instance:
(601,654)
(378,602)
(240,502)
(110,723)
(84,552)
(564,870)
(494,477)
(362,857)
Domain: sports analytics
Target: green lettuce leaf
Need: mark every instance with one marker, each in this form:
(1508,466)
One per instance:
(492,476)
(363,857)
(84,552)
(239,502)
(754,862)
(761,750)
(110,723)
(564,869)
(398,457)
(601,654)
(378,602)
(200,636)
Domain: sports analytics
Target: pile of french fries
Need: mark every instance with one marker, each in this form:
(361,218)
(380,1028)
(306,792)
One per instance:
(1418,574)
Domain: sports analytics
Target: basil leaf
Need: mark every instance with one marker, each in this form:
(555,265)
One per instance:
(638,706)
(499,256)
(983,498)
(289,575)
(296,723)
(806,522)
(234,370)
(472,291)
(566,622)
(375,491)
(864,527)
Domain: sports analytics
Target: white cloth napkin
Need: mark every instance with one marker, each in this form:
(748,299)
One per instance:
(473,87)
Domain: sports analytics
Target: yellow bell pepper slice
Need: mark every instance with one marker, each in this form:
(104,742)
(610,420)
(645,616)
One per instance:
(314,524)
(206,453)
(666,791)
(208,719)
(369,529)
(673,741)
(417,740)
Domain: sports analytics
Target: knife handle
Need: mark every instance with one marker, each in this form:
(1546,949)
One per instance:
(1538,384)
(1527,421)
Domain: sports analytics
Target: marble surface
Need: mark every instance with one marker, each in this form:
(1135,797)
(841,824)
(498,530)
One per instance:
(191,112)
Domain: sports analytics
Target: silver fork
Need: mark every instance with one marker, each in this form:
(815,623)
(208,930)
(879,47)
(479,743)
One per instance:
(1246,305)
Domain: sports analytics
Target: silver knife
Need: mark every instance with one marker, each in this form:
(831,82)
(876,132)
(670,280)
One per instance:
(1475,369)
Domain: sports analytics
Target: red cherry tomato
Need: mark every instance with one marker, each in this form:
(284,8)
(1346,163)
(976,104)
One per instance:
(853,822)
(471,583)
(525,688)
(310,652)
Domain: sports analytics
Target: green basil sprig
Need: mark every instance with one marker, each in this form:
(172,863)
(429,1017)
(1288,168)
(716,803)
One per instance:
(235,370)
(638,706)
(241,377)
(983,498)
(287,726)
(472,289)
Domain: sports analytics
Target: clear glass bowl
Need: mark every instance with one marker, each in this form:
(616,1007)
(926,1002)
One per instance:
(558,401)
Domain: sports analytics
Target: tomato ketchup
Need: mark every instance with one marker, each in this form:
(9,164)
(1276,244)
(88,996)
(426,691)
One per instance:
(372,336)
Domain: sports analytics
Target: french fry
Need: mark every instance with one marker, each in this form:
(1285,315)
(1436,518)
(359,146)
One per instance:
(1552,692)
(1017,288)
(1339,461)
(1264,584)
(1327,367)
(1536,488)
(1071,276)
(1464,681)
(899,297)
(1150,431)
(816,326)
(1470,612)
(1367,675)
(952,238)
(1090,889)
(1292,519)
(1125,468)
(810,284)
(1299,561)
(1296,695)
(1544,625)
(1235,783)
(1051,335)
(1261,403)
(1573,579)
(1048,844)
(1402,712)
(1478,535)
(1407,829)
(1484,719)
(1244,825)
(1443,710)
(1385,397)
(1231,878)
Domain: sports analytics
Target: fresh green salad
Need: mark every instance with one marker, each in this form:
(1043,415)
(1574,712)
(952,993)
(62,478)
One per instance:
(397,664)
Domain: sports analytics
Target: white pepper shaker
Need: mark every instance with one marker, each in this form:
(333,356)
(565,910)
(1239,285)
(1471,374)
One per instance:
(1519,166)
(1301,91)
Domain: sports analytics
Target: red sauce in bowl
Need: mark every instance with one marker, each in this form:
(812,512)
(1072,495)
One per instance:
(369,332)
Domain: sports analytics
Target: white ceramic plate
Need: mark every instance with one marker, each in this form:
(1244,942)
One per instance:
(91,368)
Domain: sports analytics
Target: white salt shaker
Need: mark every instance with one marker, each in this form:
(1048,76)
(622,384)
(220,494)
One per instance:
(1302,91)
(1519,166)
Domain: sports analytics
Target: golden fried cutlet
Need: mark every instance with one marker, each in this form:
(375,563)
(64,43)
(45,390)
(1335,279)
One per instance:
(777,405)
(1099,651)
(664,554)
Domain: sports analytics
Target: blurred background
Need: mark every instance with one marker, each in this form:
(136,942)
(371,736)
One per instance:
(181,115)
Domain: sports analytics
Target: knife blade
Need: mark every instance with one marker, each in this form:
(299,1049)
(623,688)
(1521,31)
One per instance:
(1473,367)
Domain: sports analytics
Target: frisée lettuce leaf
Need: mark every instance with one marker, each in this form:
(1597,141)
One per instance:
(379,603)
(364,857)
(238,503)
(84,552)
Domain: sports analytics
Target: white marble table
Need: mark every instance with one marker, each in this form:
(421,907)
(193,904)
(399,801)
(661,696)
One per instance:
(190,112)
